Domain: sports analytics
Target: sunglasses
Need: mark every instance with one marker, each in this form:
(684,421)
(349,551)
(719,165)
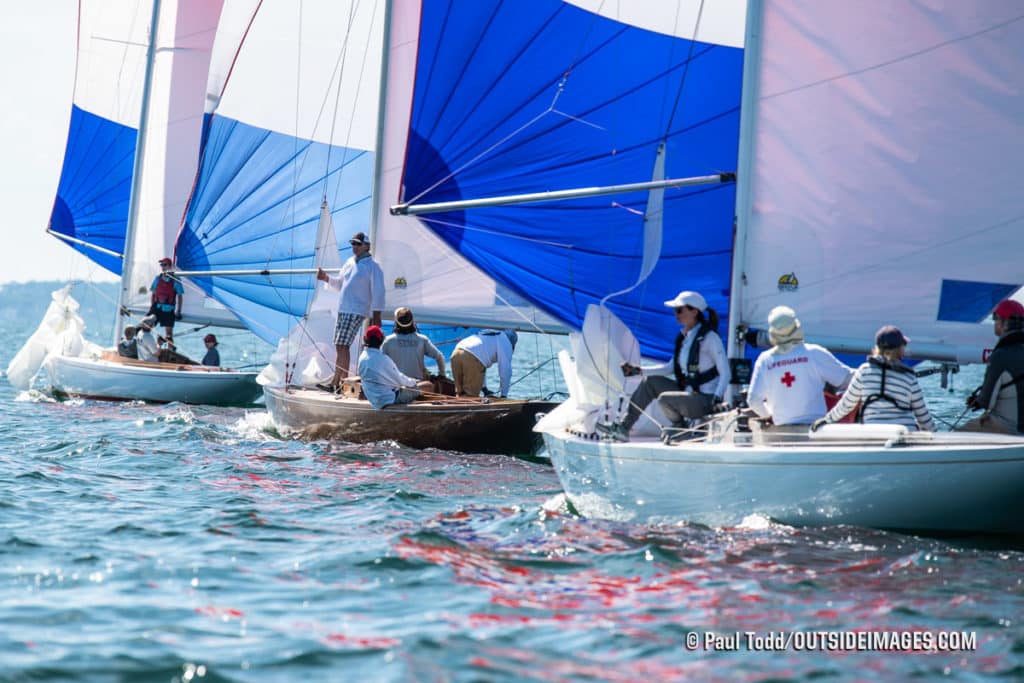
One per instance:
(680,309)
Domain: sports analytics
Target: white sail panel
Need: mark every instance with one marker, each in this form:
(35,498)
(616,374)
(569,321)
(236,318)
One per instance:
(112,42)
(294,57)
(886,145)
(720,22)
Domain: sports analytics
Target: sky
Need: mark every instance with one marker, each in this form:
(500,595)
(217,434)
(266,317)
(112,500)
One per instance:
(37,68)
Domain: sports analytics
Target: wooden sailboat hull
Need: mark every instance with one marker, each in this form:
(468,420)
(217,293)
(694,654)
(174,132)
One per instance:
(467,425)
(958,482)
(159,382)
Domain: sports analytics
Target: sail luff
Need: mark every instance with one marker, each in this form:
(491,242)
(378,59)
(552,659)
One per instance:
(744,164)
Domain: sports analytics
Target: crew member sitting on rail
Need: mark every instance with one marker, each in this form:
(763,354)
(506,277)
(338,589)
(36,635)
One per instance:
(1001,394)
(383,383)
(407,347)
(788,382)
(145,340)
(888,388)
(127,347)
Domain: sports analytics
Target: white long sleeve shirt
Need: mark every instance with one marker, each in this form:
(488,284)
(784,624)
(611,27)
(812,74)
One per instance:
(361,282)
(146,344)
(789,387)
(490,347)
(381,378)
(712,355)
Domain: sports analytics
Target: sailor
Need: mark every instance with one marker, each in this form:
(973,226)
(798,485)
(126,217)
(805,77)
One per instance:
(383,383)
(887,388)
(788,382)
(361,282)
(477,352)
(1001,394)
(145,340)
(699,369)
(407,347)
(127,347)
(212,357)
(166,299)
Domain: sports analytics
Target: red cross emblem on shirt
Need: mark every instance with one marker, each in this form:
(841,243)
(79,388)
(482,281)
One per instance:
(788,379)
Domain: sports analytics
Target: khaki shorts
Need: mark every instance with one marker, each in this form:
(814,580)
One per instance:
(468,372)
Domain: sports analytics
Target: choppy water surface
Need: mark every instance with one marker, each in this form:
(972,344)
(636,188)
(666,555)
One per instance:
(177,543)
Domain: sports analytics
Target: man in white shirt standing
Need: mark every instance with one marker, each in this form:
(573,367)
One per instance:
(383,383)
(788,381)
(477,352)
(361,282)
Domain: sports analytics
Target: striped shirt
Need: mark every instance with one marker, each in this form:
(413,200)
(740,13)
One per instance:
(902,387)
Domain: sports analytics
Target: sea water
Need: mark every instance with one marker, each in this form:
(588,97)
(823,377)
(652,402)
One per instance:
(185,543)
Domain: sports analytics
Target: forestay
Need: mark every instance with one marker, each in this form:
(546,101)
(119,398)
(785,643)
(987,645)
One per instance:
(885,147)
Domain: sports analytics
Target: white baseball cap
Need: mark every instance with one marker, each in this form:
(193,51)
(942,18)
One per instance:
(688,298)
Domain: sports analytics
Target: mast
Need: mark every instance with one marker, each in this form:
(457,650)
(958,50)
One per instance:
(133,197)
(748,106)
(378,161)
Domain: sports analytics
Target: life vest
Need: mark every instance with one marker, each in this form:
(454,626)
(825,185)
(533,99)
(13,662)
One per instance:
(881,395)
(164,292)
(693,377)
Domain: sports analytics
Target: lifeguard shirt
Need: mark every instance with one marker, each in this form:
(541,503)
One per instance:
(789,387)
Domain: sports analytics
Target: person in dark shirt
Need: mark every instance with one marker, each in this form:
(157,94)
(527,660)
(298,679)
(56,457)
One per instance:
(1001,394)
(212,357)
(127,348)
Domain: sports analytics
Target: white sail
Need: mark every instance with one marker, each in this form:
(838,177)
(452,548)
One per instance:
(884,148)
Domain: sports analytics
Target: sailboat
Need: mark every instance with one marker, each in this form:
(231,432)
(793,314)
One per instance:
(129,165)
(302,143)
(877,183)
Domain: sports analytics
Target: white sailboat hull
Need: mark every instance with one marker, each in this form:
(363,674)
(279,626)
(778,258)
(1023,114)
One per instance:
(956,482)
(160,382)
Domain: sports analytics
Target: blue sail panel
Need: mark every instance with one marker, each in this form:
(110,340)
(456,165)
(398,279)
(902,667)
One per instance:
(510,101)
(256,206)
(95,185)
(970,302)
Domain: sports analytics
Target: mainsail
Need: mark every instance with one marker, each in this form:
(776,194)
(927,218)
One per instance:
(883,155)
